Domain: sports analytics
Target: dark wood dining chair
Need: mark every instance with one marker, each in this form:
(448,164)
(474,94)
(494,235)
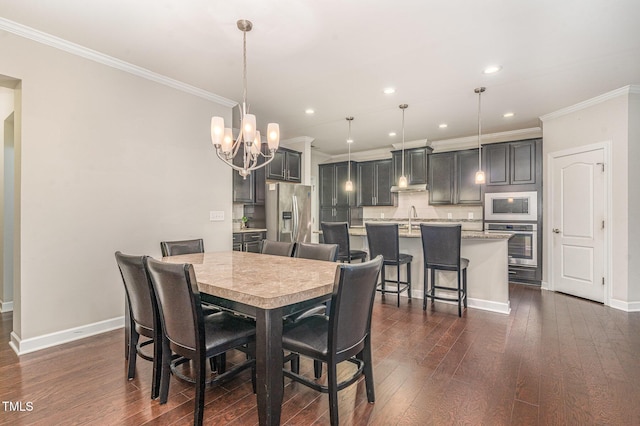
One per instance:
(277,248)
(338,233)
(384,239)
(191,335)
(345,335)
(441,251)
(175,248)
(143,317)
(328,252)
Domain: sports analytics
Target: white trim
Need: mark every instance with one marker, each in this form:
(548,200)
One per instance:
(101,58)
(608,187)
(6,306)
(625,306)
(591,102)
(544,285)
(481,304)
(24,346)
(472,141)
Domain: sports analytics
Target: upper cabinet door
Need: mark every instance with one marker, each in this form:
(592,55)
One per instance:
(286,166)
(276,168)
(366,184)
(415,165)
(293,166)
(496,164)
(469,192)
(383,176)
(326,190)
(344,198)
(441,178)
(523,162)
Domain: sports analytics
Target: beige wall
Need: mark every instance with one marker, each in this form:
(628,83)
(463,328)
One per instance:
(634,195)
(109,161)
(597,122)
(6,138)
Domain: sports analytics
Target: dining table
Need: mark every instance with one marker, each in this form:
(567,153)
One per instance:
(267,288)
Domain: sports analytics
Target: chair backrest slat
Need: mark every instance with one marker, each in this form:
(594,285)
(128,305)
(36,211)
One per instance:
(277,248)
(139,291)
(352,303)
(179,302)
(441,244)
(175,248)
(327,252)
(337,233)
(383,240)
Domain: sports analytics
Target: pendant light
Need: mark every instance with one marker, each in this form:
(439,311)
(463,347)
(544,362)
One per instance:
(222,138)
(402,182)
(480,178)
(348,186)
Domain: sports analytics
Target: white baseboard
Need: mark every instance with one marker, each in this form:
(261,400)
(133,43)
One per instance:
(24,346)
(6,306)
(484,305)
(625,306)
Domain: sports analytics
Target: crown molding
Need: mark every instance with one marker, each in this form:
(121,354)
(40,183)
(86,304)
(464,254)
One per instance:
(84,52)
(411,144)
(626,90)
(472,141)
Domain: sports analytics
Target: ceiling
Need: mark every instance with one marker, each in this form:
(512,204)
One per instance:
(337,57)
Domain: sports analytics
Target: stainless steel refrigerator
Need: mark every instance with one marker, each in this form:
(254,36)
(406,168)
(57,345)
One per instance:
(288,211)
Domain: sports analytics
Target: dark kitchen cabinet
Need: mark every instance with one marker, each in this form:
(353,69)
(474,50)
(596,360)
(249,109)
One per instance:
(374,181)
(335,214)
(452,178)
(250,189)
(512,163)
(332,180)
(415,165)
(248,241)
(286,166)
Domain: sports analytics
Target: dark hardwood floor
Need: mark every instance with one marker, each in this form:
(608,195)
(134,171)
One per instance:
(554,360)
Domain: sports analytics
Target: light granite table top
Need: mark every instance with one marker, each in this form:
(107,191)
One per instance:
(260,280)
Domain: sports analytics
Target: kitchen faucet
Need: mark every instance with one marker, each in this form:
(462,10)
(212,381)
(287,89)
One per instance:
(412,209)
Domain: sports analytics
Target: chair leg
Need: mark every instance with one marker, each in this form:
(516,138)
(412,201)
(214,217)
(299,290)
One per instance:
(425,289)
(132,353)
(398,282)
(433,285)
(459,295)
(317,368)
(165,375)
(332,379)
(368,369)
(409,279)
(384,279)
(198,414)
(464,284)
(157,366)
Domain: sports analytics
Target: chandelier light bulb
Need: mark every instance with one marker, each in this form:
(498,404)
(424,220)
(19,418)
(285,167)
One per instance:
(257,144)
(348,186)
(402,182)
(217,130)
(227,141)
(273,135)
(480,179)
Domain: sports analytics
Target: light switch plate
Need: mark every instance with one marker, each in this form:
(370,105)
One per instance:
(470,215)
(216,216)
(449,216)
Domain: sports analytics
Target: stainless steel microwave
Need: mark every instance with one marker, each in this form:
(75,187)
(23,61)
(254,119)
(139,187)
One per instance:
(511,206)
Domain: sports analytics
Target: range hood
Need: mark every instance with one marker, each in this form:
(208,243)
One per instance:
(410,188)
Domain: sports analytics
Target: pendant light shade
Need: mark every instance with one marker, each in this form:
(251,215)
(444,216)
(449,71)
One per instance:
(348,186)
(480,177)
(402,181)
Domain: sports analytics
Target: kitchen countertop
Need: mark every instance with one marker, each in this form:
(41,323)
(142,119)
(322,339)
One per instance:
(415,233)
(245,230)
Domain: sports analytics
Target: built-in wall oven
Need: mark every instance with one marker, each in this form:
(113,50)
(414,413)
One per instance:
(523,245)
(511,206)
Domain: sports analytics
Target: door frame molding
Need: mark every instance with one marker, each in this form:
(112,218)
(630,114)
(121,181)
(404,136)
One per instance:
(548,237)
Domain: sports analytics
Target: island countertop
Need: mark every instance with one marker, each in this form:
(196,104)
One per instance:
(360,231)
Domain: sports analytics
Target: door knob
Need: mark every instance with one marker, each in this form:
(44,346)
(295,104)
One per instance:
(556,231)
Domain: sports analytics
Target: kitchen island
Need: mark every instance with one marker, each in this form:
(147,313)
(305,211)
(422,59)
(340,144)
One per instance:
(487,274)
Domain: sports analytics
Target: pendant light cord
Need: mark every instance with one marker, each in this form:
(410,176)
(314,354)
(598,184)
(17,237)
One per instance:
(403,139)
(244,72)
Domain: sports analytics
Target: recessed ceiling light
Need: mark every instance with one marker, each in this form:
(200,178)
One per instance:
(392,134)
(508,114)
(389,90)
(309,111)
(443,125)
(492,69)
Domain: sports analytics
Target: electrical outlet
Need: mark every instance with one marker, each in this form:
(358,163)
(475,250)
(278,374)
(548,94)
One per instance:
(381,215)
(470,215)
(216,216)
(449,216)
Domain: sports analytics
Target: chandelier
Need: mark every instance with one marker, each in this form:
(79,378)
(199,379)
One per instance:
(402,181)
(222,137)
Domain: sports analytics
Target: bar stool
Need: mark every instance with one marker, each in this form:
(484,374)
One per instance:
(441,250)
(384,240)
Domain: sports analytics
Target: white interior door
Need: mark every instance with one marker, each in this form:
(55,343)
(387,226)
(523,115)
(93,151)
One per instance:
(578,214)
